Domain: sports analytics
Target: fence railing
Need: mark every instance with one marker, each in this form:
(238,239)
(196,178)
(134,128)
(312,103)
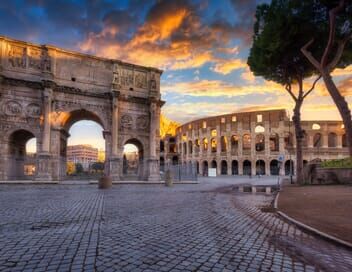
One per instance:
(181,172)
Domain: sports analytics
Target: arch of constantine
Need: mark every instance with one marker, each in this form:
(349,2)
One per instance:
(44,90)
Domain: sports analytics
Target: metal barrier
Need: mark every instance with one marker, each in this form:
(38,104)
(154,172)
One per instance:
(182,172)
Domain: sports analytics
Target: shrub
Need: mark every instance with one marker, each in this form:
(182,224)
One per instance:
(342,163)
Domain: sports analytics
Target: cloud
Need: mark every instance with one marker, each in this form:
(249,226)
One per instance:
(226,66)
(218,88)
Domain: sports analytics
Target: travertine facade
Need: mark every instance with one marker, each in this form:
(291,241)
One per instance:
(252,143)
(45,89)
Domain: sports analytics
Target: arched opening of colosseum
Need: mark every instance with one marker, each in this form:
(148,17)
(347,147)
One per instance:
(196,146)
(247,167)
(133,159)
(172,145)
(288,140)
(190,147)
(246,142)
(214,164)
(162,164)
(260,167)
(223,142)
(184,148)
(234,167)
(205,168)
(289,168)
(213,145)
(274,168)
(274,142)
(332,139)
(344,140)
(197,167)
(213,133)
(234,143)
(223,167)
(259,142)
(75,124)
(162,146)
(205,144)
(22,150)
(317,140)
(305,162)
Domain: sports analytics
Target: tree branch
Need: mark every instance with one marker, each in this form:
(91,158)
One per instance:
(309,55)
(288,88)
(339,52)
(332,29)
(312,88)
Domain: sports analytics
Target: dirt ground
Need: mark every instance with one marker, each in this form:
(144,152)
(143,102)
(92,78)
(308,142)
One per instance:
(326,208)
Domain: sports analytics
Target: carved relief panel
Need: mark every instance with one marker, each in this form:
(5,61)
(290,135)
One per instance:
(17,56)
(140,79)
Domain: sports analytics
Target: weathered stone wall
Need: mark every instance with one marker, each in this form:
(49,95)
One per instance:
(324,140)
(45,90)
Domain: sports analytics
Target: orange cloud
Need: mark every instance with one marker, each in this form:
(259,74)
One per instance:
(226,66)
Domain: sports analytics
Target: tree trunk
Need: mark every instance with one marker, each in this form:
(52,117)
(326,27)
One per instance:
(342,106)
(299,136)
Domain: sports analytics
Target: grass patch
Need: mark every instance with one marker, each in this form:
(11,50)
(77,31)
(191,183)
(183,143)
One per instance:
(341,163)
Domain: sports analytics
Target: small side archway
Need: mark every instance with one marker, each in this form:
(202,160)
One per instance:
(133,160)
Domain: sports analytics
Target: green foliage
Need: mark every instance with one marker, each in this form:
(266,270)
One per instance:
(342,163)
(283,27)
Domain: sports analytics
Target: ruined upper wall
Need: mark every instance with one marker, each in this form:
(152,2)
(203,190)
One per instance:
(27,61)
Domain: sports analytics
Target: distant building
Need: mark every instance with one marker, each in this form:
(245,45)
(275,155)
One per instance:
(83,154)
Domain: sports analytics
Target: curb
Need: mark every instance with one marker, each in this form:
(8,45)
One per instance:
(310,229)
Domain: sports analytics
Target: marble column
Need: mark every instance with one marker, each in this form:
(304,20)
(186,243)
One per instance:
(44,156)
(115,161)
(153,162)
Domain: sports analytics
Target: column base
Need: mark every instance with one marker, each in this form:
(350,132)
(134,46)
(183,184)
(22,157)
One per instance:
(115,168)
(154,170)
(43,167)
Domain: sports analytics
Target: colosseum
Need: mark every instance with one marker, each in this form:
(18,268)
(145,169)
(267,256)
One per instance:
(250,143)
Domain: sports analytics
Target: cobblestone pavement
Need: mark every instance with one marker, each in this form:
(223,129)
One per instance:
(204,227)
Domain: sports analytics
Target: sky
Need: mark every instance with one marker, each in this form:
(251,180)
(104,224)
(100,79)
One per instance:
(202,46)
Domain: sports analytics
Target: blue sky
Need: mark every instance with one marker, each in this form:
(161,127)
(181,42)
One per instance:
(202,46)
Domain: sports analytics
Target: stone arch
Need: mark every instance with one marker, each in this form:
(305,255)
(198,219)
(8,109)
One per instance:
(213,144)
(234,143)
(332,139)
(67,119)
(223,143)
(214,164)
(274,168)
(190,147)
(205,168)
(205,144)
(289,165)
(260,167)
(223,167)
(246,139)
(162,146)
(274,142)
(184,148)
(247,167)
(260,142)
(234,167)
(17,156)
(197,167)
(175,160)
(162,164)
(135,167)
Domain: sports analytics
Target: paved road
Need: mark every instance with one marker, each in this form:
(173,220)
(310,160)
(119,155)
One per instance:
(203,227)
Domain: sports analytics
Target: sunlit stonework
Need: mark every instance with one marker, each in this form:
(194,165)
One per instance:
(45,90)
